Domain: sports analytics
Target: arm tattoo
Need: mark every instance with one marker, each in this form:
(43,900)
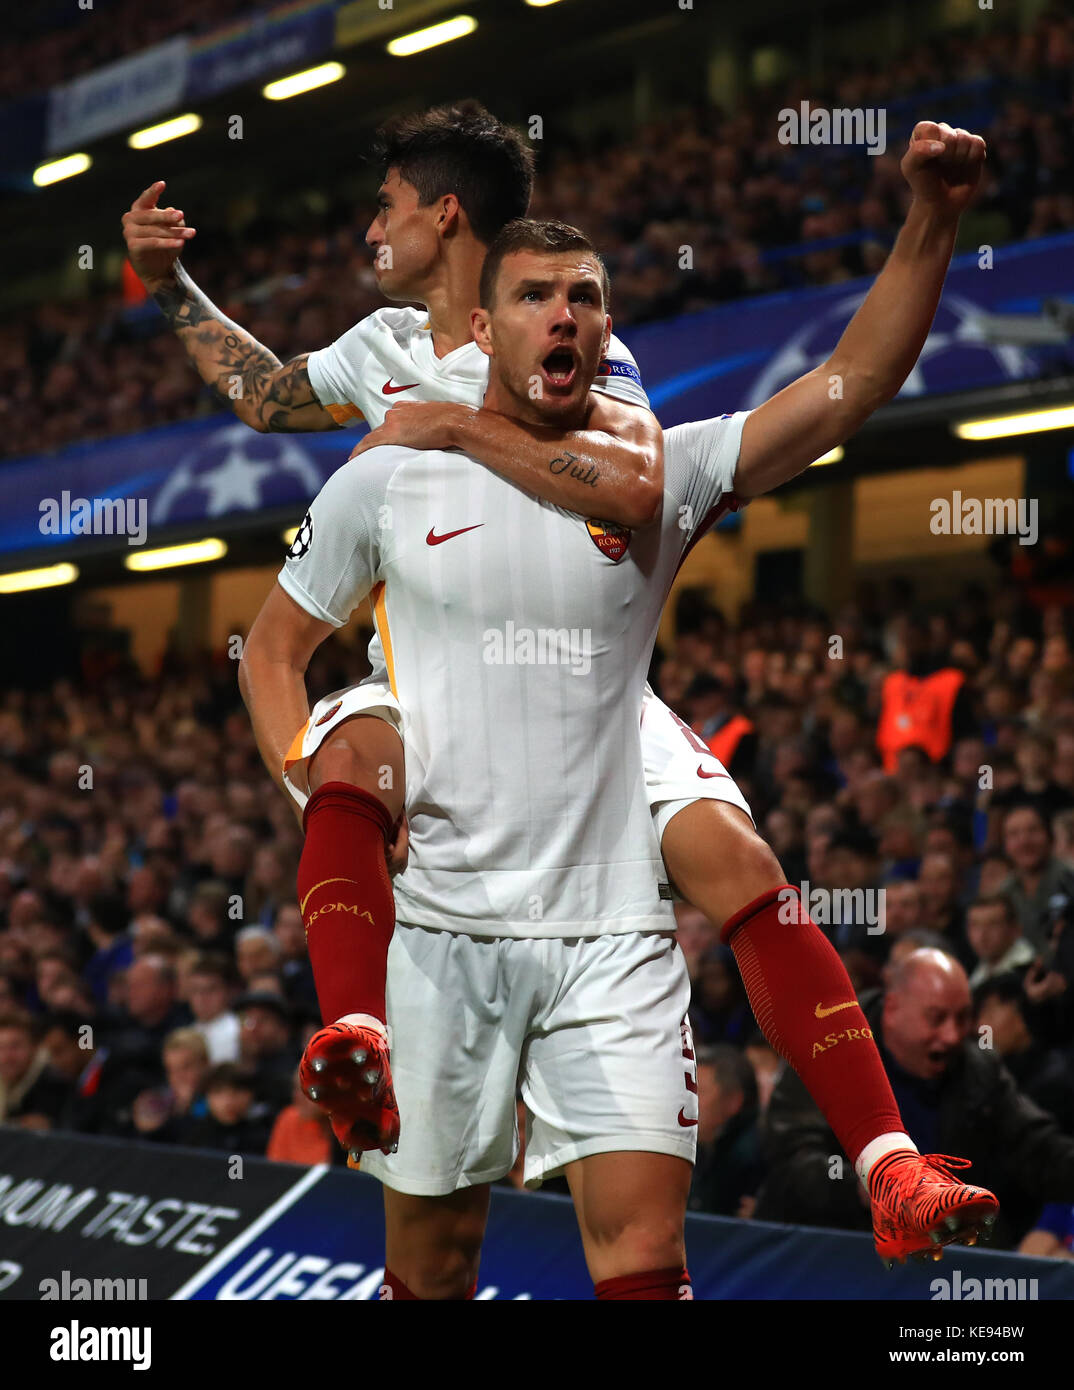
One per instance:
(587,475)
(237,367)
(183,304)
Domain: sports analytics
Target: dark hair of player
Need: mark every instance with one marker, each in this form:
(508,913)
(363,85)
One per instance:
(461,149)
(524,234)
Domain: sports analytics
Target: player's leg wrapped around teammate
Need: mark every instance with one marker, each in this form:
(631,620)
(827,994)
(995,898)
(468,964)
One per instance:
(800,992)
(796,983)
(348,909)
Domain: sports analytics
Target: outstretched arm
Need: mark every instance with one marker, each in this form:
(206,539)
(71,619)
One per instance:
(613,470)
(264,393)
(884,338)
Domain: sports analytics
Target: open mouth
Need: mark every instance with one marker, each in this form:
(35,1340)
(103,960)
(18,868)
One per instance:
(559,368)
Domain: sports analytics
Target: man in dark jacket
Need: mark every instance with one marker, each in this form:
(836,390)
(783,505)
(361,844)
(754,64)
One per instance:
(728,1167)
(956,1097)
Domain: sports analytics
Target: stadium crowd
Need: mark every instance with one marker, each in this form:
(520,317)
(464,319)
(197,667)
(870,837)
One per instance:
(153,976)
(695,209)
(46,45)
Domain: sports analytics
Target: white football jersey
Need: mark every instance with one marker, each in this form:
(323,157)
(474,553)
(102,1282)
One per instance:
(516,636)
(388,357)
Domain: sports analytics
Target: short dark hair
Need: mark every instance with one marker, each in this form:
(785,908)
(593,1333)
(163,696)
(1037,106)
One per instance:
(1007,988)
(996,900)
(217,966)
(461,149)
(733,1069)
(525,234)
(230,1075)
(108,912)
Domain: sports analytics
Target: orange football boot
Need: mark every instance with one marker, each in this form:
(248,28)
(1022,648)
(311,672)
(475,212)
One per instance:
(919,1207)
(346,1072)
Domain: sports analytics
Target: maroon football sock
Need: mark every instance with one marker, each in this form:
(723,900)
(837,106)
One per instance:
(346,899)
(653,1284)
(393,1287)
(806,1007)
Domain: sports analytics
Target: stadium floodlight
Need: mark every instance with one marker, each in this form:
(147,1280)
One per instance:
(832,456)
(194,553)
(1003,426)
(47,578)
(300,82)
(288,536)
(421,39)
(166,130)
(64,168)
(540,4)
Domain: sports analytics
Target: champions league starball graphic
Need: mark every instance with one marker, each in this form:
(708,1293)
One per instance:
(236,470)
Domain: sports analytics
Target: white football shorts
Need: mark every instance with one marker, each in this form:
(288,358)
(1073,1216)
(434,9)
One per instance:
(591,1030)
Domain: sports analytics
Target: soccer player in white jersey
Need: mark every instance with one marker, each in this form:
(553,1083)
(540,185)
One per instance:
(427,251)
(532,944)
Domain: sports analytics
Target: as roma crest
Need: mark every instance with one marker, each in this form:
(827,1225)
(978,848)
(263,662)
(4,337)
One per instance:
(609,538)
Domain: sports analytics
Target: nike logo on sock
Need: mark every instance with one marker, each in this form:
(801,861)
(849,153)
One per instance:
(822,1012)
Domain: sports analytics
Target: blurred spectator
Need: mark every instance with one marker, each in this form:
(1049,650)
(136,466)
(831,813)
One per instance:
(302,1133)
(236,1122)
(32,1096)
(100,1093)
(728,1170)
(167,1113)
(939,884)
(106,927)
(719,1009)
(294,965)
(1041,887)
(152,1011)
(1044,1074)
(257,950)
(266,1045)
(210,991)
(695,935)
(996,938)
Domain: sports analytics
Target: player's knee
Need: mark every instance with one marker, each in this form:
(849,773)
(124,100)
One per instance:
(448,1272)
(443,1281)
(633,1246)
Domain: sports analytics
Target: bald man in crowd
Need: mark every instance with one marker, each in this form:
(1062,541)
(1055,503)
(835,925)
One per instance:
(955,1096)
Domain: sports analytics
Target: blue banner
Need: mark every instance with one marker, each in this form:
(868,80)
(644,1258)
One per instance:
(124,93)
(278,40)
(204,470)
(738,355)
(325,1240)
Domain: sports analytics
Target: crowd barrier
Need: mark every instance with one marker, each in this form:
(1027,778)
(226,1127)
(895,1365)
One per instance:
(196,1225)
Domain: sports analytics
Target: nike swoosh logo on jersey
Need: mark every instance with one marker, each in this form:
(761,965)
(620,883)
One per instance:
(702,773)
(433,539)
(390,390)
(686,1124)
(822,1012)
